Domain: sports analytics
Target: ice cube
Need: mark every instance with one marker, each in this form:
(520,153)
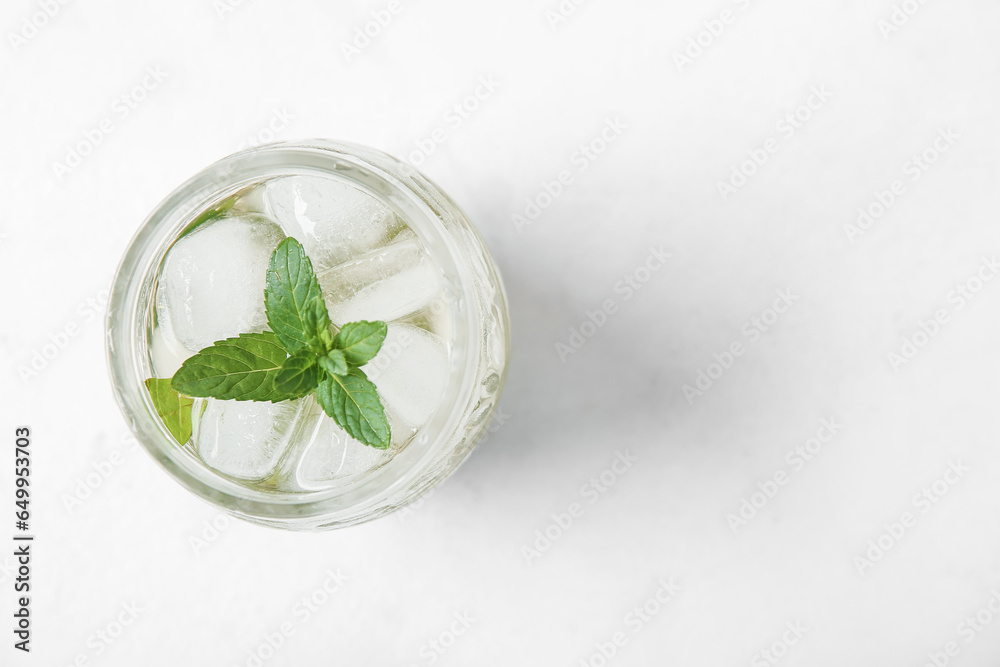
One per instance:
(332,220)
(245,439)
(166,353)
(436,318)
(410,372)
(212,284)
(323,455)
(385,284)
(333,455)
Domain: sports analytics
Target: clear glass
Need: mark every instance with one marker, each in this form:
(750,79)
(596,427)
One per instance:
(472,301)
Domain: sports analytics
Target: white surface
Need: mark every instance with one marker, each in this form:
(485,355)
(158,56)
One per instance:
(276,69)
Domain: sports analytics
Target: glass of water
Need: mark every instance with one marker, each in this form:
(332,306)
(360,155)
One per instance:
(386,244)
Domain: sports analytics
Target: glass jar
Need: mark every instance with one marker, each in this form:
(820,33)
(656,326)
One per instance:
(473,293)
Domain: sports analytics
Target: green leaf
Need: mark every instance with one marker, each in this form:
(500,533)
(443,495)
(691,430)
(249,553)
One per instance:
(216,211)
(314,321)
(174,409)
(294,303)
(241,369)
(360,341)
(352,401)
(334,362)
(298,375)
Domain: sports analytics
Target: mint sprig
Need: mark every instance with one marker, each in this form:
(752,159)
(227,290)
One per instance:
(297,357)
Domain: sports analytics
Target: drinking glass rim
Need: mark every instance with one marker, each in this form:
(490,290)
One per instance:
(395,184)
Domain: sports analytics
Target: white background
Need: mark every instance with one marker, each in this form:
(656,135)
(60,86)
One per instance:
(210,598)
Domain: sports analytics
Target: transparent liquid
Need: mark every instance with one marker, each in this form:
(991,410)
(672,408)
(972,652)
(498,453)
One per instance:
(370,265)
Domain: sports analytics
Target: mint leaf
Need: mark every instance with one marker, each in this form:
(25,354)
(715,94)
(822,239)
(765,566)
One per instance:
(293,301)
(334,363)
(242,369)
(360,341)
(352,401)
(314,321)
(174,409)
(216,211)
(298,375)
